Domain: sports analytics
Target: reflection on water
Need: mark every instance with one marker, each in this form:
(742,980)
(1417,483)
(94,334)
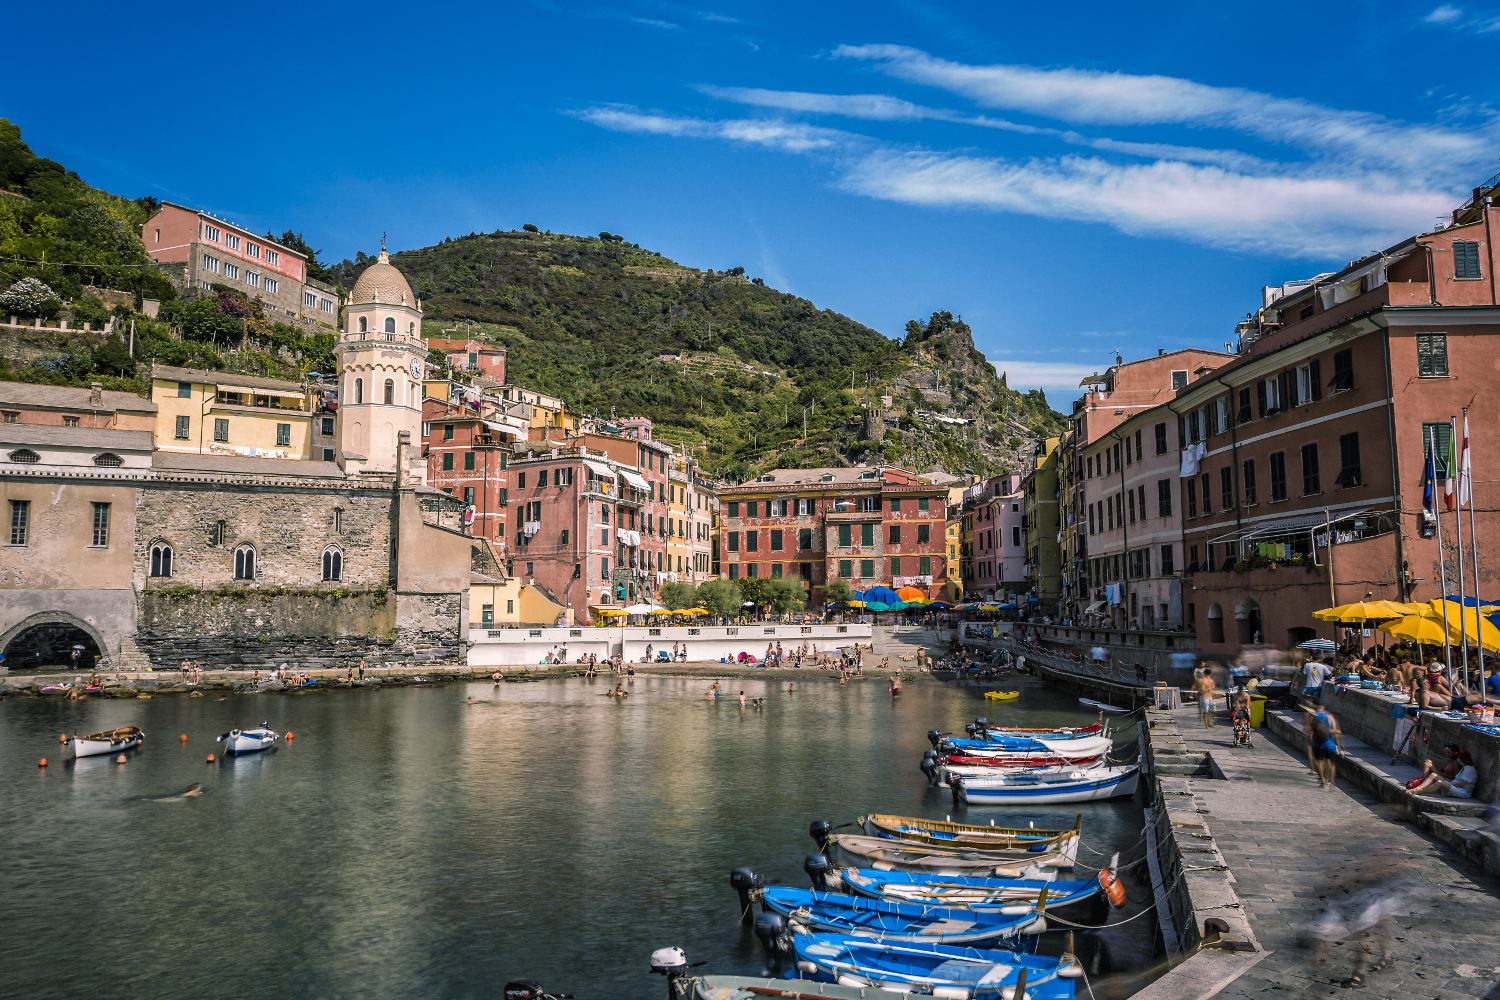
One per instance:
(408,844)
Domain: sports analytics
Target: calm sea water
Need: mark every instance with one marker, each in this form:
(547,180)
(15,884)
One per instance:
(407,844)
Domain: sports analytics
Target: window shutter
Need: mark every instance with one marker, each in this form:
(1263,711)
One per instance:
(1260,396)
(1315,378)
(1440,354)
(1181,432)
(1281,389)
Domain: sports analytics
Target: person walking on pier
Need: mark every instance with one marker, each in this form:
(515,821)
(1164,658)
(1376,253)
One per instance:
(1206,694)
(1322,731)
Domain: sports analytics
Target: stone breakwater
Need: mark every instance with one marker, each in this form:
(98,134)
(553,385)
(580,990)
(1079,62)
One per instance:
(150,683)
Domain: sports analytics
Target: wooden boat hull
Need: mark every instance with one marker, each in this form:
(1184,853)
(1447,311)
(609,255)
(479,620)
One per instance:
(961,835)
(248,741)
(893,920)
(908,855)
(1074,748)
(850,961)
(1002,695)
(1013,896)
(112,741)
(1095,785)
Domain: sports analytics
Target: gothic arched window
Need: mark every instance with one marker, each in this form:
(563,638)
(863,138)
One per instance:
(390,325)
(333,564)
(161,559)
(244,562)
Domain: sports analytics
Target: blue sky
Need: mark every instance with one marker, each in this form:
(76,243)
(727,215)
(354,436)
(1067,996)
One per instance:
(1075,180)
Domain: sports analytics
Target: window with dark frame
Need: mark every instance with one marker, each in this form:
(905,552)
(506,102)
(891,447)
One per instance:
(1192,497)
(1164,498)
(1243,416)
(924,534)
(1207,507)
(20,521)
(1166,560)
(1349,476)
(1247,475)
(101,524)
(1226,488)
(1343,371)
(1466,260)
(1161,438)
(183,424)
(1278,476)
(1310,485)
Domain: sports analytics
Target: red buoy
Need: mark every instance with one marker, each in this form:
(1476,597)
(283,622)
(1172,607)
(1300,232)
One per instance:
(183,737)
(120,759)
(42,762)
(210,758)
(288,735)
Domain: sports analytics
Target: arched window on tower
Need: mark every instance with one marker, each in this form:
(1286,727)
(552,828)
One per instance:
(390,392)
(364,324)
(411,329)
(390,325)
(359,390)
(161,559)
(333,564)
(244,563)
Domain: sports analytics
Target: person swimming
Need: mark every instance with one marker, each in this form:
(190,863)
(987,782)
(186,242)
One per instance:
(193,791)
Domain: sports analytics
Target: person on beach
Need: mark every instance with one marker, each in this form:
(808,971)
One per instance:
(1204,685)
(742,699)
(361,668)
(1460,787)
(1451,765)
(895,685)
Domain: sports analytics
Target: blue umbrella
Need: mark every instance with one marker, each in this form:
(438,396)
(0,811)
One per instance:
(1320,645)
(884,595)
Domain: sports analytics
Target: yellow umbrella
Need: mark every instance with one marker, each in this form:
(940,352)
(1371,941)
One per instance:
(1417,628)
(1472,626)
(1367,611)
(693,611)
(610,613)
(664,611)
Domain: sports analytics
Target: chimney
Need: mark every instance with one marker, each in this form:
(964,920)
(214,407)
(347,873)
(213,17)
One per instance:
(1161,351)
(96,394)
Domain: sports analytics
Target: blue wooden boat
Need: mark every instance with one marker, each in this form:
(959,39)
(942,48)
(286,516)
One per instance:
(887,920)
(956,970)
(1009,896)
(1046,787)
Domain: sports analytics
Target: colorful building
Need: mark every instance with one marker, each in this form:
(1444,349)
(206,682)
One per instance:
(220,413)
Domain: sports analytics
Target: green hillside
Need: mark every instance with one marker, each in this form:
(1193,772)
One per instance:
(720,362)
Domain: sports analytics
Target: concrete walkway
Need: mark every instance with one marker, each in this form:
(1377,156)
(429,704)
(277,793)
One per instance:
(1294,849)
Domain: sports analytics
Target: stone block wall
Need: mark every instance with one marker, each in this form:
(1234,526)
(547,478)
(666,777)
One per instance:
(288,527)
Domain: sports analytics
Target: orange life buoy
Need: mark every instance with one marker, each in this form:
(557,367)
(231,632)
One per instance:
(1113,890)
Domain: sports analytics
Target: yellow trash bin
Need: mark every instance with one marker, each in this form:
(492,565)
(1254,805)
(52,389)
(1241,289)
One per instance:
(1257,710)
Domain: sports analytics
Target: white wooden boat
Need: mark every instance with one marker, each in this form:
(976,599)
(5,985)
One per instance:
(1101,706)
(885,854)
(1086,746)
(1047,787)
(968,772)
(249,740)
(110,741)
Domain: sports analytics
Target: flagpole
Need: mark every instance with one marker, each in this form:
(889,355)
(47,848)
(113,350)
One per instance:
(1442,558)
(1466,488)
(1455,473)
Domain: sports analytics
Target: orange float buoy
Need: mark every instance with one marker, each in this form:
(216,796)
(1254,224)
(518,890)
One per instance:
(42,762)
(210,758)
(183,737)
(1113,890)
(120,759)
(288,735)
(63,738)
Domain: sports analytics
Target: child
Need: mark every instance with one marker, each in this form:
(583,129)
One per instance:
(1241,719)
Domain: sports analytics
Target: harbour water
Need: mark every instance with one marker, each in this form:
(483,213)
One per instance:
(407,844)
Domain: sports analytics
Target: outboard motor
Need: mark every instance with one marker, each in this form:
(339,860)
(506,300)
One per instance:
(820,830)
(930,766)
(982,723)
(744,881)
(971,729)
(672,963)
(817,867)
(935,737)
(524,989)
(956,786)
(775,937)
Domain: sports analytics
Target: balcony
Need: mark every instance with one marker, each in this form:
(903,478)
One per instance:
(417,343)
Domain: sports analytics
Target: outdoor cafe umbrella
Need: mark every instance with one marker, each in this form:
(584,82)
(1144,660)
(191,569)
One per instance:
(884,595)
(939,605)
(610,612)
(1476,630)
(1367,611)
(911,595)
(1417,628)
(1319,645)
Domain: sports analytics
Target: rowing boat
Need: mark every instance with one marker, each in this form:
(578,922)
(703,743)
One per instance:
(1046,787)
(892,920)
(1101,706)
(911,855)
(1082,747)
(1012,896)
(1002,695)
(238,741)
(950,834)
(109,741)
(956,970)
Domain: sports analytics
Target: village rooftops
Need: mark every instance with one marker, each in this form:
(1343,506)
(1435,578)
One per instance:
(792,480)
(241,465)
(65,397)
(263,386)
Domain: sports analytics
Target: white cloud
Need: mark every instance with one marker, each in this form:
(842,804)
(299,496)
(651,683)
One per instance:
(1094,97)
(1448,16)
(1445,14)
(793,137)
(1309,216)
(1059,380)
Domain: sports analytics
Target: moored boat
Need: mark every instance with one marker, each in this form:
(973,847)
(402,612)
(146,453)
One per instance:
(1012,896)
(1047,787)
(1102,706)
(238,741)
(109,741)
(1080,747)
(1002,695)
(908,855)
(899,920)
(746,988)
(961,835)
(956,971)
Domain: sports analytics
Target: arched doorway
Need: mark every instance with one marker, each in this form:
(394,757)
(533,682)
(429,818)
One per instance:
(47,641)
(1247,622)
(1298,635)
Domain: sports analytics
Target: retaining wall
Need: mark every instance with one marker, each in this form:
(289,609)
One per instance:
(501,647)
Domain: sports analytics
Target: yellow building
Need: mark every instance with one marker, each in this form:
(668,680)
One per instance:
(679,523)
(512,604)
(955,575)
(219,413)
(1043,547)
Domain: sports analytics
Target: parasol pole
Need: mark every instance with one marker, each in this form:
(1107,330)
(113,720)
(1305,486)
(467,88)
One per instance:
(1466,492)
(1454,470)
(1442,555)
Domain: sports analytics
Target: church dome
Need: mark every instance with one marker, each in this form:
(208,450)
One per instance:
(381,282)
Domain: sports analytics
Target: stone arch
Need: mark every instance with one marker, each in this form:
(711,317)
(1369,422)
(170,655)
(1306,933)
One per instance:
(1215,623)
(1247,622)
(51,629)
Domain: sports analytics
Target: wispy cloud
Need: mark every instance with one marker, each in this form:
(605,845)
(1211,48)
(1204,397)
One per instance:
(1059,380)
(1456,18)
(793,137)
(1100,98)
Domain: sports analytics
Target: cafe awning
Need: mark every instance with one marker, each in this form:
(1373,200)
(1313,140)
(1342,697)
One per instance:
(635,480)
(599,469)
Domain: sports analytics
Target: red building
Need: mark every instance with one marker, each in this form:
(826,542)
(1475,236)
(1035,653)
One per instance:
(1316,433)
(873,527)
(471,356)
(467,443)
